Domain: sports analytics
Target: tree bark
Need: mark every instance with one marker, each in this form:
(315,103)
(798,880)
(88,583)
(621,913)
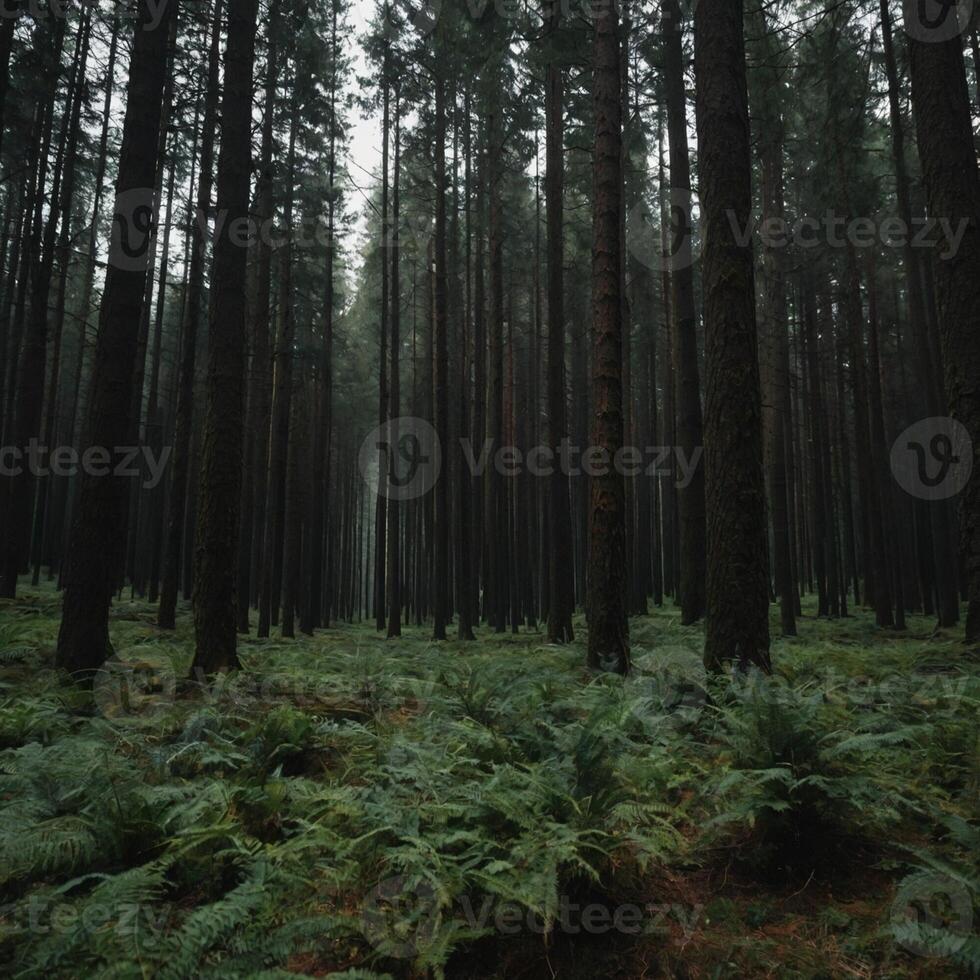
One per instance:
(93,558)
(949,169)
(608,647)
(561,568)
(737,627)
(690,436)
(167,612)
(440,583)
(219,496)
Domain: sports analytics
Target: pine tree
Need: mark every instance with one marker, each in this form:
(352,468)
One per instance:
(93,556)
(737,620)
(608,627)
(215,567)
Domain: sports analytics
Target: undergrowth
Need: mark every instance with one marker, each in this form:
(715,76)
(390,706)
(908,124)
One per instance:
(352,807)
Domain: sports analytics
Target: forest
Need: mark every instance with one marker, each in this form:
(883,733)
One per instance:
(487,489)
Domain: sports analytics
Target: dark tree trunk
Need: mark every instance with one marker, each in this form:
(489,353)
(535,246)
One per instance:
(252,525)
(166,615)
(319,612)
(219,496)
(480,497)
(690,499)
(818,439)
(93,557)
(496,523)
(737,569)
(779,432)
(607,593)
(949,169)
(380,513)
(465,606)
(440,583)
(260,404)
(561,569)
(270,589)
(891,536)
(394,391)
(927,372)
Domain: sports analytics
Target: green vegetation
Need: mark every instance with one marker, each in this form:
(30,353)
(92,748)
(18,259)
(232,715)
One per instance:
(353,807)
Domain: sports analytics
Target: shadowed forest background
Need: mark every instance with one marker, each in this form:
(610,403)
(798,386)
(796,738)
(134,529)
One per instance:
(486,489)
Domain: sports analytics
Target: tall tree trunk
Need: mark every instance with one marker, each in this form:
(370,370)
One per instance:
(690,499)
(167,612)
(607,593)
(561,569)
(777,379)
(496,524)
(926,370)
(949,169)
(93,557)
(819,440)
(270,588)
(260,403)
(737,570)
(319,613)
(394,391)
(481,498)
(380,514)
(219,496)
(891,536)
(465,606)
(441,368)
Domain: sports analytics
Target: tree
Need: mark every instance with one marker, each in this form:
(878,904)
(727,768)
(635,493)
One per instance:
(690,499)
(167,613)
(923,365)
(737,581)
(440,583)
(215,566)
(944,130)
(777,377)
(608,626)
(93,556)
(561,590)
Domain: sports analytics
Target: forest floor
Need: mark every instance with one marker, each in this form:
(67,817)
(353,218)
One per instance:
(351,806)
